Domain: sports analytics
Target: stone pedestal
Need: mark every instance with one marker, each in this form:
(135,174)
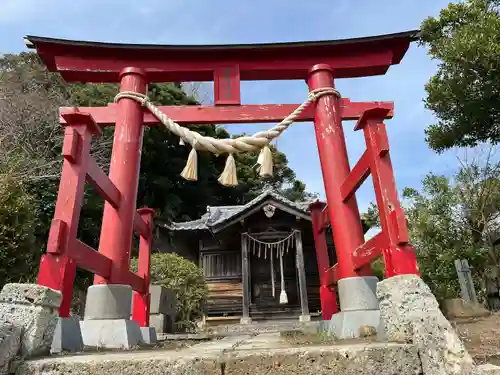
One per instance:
(246,320)
(346,325)
(163,309)
(359,307)
(107,321)
(304,318)
(358,293)
(32,309)
(148,335)
(162,323)
(67,336)
(459,308)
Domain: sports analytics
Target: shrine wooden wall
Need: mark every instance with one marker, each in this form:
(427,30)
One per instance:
(219,255)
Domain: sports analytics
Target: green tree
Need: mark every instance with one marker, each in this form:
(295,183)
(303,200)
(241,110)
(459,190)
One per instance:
(18,255)
(457,218)
(451,218)
(464,94)
(436,226)
(187,281)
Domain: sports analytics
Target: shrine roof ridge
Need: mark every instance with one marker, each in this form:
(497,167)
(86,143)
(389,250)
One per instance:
(217,215)
(32,40)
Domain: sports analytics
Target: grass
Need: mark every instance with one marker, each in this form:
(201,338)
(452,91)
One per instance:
(303,338)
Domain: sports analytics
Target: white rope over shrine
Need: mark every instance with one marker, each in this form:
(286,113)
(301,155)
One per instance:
(258,141)
(275,249)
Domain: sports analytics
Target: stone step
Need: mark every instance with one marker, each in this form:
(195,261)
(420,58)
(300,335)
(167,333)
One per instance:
(263,326)
(240,355)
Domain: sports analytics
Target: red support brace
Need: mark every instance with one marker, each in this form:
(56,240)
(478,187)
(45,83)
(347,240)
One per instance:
(355,179)
(102,183)
(57,269)
(142,300)
(90,260)
(369,251)
(399,255)
(327,294)
(118,224)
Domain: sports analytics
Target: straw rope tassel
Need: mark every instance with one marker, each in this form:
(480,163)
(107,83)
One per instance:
(228,176)
(283,295)
(266,162)
(190,171)
(273,285)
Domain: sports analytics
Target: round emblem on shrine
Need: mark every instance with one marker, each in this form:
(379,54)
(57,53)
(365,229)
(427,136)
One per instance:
(269,210)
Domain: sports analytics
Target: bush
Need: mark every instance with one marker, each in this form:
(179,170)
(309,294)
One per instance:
(19,256)
(186,279)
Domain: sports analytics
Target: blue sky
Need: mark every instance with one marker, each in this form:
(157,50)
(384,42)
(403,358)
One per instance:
(223,21)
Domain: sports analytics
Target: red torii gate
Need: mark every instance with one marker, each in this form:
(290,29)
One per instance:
(134,66)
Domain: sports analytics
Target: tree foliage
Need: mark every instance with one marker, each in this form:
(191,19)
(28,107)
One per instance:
(187,281)
(455,217)
(18,255)
(438,233)
(464,94)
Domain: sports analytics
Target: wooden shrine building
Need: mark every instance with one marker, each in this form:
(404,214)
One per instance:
(259,259)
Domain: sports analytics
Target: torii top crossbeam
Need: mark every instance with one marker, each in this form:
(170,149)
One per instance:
(102,62)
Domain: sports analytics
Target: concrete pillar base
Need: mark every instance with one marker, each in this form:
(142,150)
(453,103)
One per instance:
(111,333)
(305,318)
(347,324)
(162,323)
(148,335)
(246,320)
(359,305)
(108,301)
(358,293)
(107,321)
(67,336)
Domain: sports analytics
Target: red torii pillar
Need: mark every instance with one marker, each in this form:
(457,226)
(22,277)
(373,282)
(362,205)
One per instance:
(356,288)
(344,218)
(118,224)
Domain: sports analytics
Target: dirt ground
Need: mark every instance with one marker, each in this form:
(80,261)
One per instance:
(481,336)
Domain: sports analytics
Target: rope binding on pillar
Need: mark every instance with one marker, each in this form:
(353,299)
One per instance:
(258,141)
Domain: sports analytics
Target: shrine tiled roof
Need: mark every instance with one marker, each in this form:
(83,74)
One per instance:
(217,215)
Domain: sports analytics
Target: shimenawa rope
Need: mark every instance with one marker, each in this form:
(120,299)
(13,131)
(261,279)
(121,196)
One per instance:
(258,141)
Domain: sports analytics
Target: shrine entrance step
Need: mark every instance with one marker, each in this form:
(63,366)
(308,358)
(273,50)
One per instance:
(261,354)
(274,312)
(264,326)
